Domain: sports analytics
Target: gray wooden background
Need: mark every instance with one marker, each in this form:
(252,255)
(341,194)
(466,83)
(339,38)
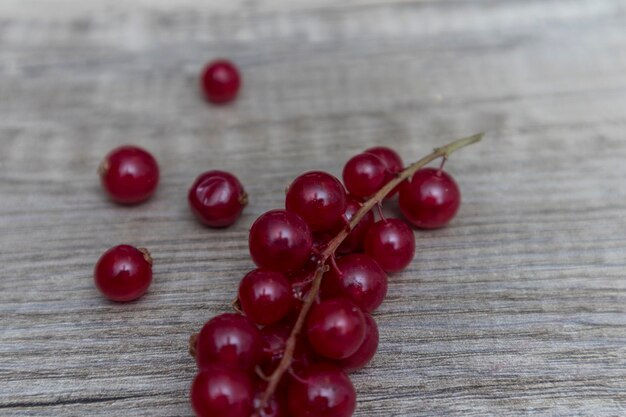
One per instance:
(517,308)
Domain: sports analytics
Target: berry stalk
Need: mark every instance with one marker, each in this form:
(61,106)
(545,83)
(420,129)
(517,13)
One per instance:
(329,252)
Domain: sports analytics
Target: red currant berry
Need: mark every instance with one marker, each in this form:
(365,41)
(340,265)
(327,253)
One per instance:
(300,287)
(220,81)
(359,279)
(229,340)
(430,199)
(392,161)
(321,390)
(280,241)
(317,197)
(265,296)
(123,273)
(321,239)
(274,339)
(275,407)
(354,241)
(364,174)
(217,198)
(129,175)
(310,266)
(366,351)
(335,328)
(223,392)
(391,243)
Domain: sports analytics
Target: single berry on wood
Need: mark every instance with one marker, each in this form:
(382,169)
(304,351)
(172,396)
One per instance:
(123,273)
(220,81)
(217,198)
(129,175)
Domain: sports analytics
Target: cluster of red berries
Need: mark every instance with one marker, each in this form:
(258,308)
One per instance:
(239,355)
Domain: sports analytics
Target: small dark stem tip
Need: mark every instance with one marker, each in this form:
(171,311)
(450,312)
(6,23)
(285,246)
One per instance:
(146,255)
(193,344)
(243,199)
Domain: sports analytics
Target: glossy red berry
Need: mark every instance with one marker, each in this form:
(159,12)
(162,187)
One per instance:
(318,197)
(280,241)
(391,243)
(129,175)
(430,199)
(366,351)
(265,296)
(229,340)
(335,328)
(392,161)
(354,241)
(223,392)
(220,81)
(359,279)
(321,390)
(123,273)
(364,174)
(217,198)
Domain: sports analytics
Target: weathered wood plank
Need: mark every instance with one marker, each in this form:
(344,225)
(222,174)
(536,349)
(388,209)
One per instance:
(517,308)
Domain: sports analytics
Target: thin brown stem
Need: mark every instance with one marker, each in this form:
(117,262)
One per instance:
(379,208)
(193,344)
(332,246)
(444,159)
(333,266)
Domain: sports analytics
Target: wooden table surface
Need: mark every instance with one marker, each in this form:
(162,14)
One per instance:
(517,308)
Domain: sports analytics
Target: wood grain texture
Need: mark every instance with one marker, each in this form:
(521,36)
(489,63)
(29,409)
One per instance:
(517,308)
